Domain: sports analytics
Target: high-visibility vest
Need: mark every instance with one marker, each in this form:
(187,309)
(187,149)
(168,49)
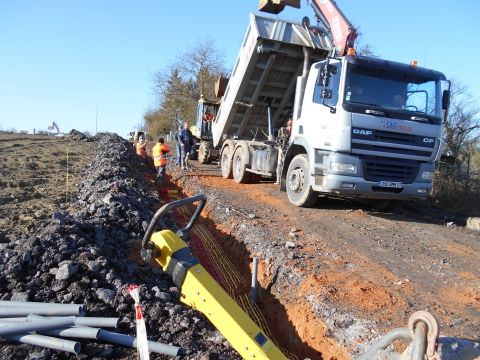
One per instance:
(158,152)
(141,148)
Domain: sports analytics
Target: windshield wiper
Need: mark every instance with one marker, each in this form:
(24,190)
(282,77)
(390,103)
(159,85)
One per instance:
(367,104)
(377,109)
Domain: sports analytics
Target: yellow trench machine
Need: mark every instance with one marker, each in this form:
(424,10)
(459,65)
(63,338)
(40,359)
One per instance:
(199,290)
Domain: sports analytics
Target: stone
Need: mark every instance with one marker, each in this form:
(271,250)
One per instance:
(59,218)
(107,199)
(290,245)
(20,296)
(473,223)
(66,271)
(106,295)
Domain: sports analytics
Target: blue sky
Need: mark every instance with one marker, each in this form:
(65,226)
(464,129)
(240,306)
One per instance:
(60,59)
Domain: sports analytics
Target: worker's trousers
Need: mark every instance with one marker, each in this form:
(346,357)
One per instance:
(178,154)
(161,175)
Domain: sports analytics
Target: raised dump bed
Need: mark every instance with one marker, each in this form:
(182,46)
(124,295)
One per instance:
(270,59)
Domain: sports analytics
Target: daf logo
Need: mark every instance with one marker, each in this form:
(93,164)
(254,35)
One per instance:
(362,132)
(428,140)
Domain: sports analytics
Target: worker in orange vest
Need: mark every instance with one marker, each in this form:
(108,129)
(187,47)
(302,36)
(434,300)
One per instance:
(141,148)
(159,159)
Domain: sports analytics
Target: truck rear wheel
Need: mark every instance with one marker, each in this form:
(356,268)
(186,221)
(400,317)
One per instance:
(204,153)
(226,162)
(240,173)
(299,190)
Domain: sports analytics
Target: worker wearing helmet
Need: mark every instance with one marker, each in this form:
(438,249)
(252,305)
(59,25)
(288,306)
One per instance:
(159,152)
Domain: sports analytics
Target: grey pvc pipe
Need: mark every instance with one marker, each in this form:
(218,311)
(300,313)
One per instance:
(52,310)
(36,325)
(34,303)
(384,341)
(97,321)
(13,319)
(109,322)
(83,332)
(47,342)
(131,341)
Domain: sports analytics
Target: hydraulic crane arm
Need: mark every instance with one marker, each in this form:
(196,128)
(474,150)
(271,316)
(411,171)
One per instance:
(342,31)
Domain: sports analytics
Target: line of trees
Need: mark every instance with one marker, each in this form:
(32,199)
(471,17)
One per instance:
(462,126)
(191,74)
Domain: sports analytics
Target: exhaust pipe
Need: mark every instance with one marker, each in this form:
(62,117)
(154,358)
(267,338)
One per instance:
(301,84)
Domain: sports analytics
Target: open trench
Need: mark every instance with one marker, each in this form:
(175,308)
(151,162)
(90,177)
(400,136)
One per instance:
(290,317)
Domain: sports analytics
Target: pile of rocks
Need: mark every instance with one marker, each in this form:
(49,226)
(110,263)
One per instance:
(76,135)
(90,254)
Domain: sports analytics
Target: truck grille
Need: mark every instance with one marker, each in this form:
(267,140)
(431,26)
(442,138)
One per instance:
(370,141)
(386,169)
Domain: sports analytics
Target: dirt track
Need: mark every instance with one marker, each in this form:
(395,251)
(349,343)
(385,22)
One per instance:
(343,273)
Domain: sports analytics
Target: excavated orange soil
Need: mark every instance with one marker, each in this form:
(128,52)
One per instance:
(379,266)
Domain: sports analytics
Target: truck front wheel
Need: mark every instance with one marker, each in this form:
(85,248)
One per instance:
(299,189)
(226,162)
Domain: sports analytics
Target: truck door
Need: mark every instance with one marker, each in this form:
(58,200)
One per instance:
(321,103)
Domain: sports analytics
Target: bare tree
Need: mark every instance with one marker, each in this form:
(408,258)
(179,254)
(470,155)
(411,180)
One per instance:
(462,125)
(193,73)
(362,47)
(202,63)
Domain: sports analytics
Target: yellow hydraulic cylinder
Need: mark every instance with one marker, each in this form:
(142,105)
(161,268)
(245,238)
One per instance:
(200,291)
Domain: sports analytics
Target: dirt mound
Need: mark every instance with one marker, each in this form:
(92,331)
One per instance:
(76,135)
(88,255)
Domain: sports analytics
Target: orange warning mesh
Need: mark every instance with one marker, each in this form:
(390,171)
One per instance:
(214,259)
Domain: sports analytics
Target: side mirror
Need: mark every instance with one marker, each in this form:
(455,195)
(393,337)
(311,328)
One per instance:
(446,99)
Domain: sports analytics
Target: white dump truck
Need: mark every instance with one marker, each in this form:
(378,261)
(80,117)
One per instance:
(362,127)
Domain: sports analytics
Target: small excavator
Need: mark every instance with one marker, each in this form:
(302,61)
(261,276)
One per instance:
(53,126)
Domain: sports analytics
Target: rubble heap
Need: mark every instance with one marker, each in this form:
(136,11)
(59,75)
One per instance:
(76,135)
(90,254)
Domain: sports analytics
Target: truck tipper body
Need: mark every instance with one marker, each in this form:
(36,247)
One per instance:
(362,127)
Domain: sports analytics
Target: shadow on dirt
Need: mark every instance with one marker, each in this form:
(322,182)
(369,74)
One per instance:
(408,211)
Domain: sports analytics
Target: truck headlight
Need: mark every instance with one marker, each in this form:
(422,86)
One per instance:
(427,175)
(343,168)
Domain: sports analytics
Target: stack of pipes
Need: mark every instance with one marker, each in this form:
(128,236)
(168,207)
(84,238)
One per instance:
(42,324)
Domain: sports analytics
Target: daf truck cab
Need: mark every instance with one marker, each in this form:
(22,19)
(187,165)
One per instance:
(365,127)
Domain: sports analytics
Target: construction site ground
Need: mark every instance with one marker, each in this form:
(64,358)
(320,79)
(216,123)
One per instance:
(33,178)
(337,275)
(332,278)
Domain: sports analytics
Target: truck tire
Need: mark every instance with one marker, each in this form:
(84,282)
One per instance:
(226,162)
(240,173)
(299,191)
(204,153)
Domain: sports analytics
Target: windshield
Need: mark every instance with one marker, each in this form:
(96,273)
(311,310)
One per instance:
(399,92)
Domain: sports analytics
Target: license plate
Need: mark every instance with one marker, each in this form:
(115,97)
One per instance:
(390,184)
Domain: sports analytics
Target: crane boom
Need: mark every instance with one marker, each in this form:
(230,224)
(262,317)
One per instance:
(342,31)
